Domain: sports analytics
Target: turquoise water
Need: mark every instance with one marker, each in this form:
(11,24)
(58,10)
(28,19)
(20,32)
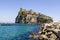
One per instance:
(18,31)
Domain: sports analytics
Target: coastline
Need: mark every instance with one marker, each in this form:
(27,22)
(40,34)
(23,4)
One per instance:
(48,31)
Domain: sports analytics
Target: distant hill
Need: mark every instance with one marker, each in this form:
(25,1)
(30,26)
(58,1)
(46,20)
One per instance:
(31,17)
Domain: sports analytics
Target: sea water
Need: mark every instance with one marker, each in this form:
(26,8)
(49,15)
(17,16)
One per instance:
(18,31)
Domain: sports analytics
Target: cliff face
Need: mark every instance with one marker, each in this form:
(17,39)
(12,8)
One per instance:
(31,17)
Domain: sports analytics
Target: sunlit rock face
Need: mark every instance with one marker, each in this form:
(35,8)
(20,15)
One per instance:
(51,31)
(31,17)
(48,31)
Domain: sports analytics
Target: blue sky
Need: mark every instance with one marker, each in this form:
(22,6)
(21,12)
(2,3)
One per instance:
(9,8)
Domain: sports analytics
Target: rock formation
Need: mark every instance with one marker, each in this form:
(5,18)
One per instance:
(31,17)
(48,31)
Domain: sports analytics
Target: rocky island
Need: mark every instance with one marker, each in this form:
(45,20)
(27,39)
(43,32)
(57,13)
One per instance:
(31,17)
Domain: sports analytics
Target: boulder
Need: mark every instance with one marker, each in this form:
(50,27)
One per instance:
(49,31)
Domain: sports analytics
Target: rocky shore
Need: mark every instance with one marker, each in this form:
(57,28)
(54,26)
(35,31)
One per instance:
(48,31)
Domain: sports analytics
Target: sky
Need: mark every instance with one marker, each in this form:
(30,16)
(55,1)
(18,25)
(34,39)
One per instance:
(9,8)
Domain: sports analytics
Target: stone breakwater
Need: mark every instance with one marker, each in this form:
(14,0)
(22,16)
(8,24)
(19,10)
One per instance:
(48,31)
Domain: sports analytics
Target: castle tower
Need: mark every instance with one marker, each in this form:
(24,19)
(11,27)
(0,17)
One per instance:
(31,11)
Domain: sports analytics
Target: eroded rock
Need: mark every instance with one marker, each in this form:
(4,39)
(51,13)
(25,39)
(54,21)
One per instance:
(49,31)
